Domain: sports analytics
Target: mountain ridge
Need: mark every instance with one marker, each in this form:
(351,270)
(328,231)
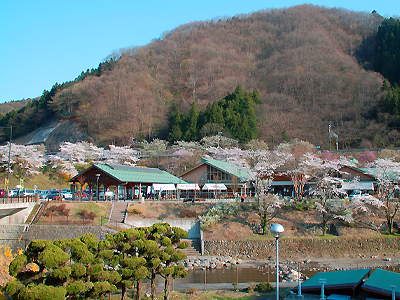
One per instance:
(310,64)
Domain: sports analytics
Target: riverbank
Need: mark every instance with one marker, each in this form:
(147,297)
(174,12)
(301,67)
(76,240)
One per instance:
(258,270)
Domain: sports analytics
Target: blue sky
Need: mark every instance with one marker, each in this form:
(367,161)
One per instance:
(44,42)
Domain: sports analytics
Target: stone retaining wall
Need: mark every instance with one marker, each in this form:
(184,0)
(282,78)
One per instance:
(288,247)
(13,236)
(54,232)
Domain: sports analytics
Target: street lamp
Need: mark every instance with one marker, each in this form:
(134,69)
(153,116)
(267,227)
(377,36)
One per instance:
(98,176)
(277,231)
(393,292)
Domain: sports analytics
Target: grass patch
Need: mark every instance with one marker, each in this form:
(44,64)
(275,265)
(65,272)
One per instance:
(327,236)
(91,206)
(136,209)
(386,234)
(42,182)
(32,214)
(100,209)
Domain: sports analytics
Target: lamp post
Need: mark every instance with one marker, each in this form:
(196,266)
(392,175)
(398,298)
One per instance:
(393,292)
(322,281)
(277,231)
(98,176)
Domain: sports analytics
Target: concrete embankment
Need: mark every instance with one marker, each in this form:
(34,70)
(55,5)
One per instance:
(303,247)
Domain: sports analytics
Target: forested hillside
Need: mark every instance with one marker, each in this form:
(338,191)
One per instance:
(311,66)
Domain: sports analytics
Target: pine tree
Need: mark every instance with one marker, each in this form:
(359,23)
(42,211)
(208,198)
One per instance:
(191,132)
(175,133)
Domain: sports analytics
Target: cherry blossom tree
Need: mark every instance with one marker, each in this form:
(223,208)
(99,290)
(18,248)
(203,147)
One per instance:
(387,171)
(362,205)
(297,171)
(232,155)
(120,155)
(267,205)
(328,203)
(326,191)
(24,160)
(83,153)
(71,154)
(260,166)
(367,157)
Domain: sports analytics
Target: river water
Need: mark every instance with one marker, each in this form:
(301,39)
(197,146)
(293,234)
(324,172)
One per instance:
(246,275)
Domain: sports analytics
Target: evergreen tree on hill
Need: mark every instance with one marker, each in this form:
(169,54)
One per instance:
(191,132)
(175,133)
(387,51)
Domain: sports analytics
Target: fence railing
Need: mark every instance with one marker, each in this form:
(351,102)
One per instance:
(17,199)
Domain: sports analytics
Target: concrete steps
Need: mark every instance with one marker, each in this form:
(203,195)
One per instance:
(118,212)
(194,248)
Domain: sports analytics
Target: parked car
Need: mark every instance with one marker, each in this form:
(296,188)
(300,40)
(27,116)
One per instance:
(85,195)
(26,192)
(49,195)
(66,194)
(188,199)
(109,195)
(53,194)
(357,193)
(13,192)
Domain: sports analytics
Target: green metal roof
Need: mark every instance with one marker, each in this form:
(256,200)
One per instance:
(389,174)
(336,279)
(380,282)
(139,174)
(228,167)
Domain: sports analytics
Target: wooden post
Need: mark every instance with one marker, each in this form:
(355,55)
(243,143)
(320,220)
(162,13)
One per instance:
(205,279)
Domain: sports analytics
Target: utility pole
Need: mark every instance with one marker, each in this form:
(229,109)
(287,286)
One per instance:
(332,134)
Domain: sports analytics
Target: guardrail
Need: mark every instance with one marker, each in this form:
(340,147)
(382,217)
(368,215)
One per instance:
(17,199)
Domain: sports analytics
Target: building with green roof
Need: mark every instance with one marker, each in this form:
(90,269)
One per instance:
(347,282)
(132,180)
(211,172)
(381,283)
(358,283)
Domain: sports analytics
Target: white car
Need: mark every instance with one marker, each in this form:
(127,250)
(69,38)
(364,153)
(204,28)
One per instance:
(109,195)
(66,195)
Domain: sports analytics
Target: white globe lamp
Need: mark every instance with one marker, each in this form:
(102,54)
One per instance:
(277,231)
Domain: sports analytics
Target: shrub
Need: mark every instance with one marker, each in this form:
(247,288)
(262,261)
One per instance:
(264,287)
(216,213)
(251,287)
(84,213)
(300,206)
(136,209)
(187,213)
(60,207)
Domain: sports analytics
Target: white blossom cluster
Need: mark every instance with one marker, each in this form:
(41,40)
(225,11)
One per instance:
(27,160)
(216,213)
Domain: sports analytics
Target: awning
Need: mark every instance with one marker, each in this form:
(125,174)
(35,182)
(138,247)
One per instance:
(187,186)
(282,183)
(163,187)
(357,186)
(214,187)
